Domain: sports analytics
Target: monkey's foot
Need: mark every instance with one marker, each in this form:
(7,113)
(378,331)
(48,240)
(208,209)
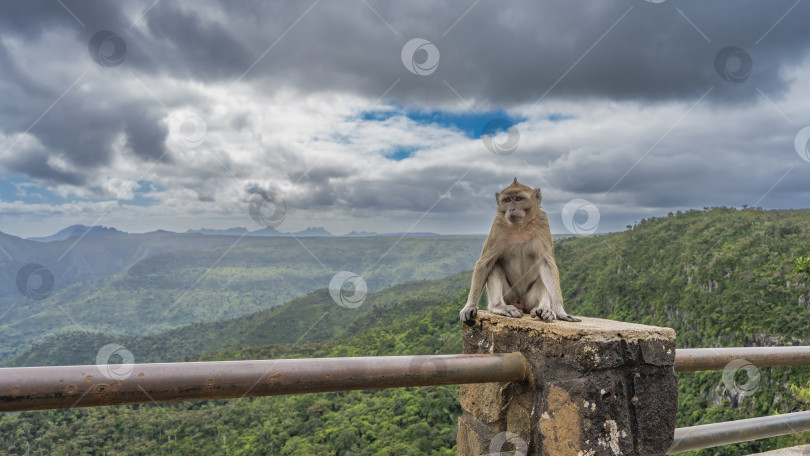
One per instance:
(468,314)
(543,314)
(548,315)
(508,311)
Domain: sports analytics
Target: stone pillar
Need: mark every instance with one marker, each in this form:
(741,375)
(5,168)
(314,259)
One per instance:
(600,387)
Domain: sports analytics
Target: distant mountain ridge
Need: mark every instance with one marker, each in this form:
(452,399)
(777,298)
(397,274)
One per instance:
(77,231)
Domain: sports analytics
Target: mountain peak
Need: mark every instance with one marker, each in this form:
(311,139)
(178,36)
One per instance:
(75,231)
(313,231)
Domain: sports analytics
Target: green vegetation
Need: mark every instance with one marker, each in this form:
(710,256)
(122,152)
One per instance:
(408,421)
(310,318)
(177,288)
(720,278)
(802,266)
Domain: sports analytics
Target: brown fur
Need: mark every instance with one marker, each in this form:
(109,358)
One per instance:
(517,261)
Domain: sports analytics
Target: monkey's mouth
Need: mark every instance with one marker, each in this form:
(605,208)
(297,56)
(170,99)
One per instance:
(512,218)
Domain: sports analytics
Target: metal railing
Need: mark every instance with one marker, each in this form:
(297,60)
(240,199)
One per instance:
(717,434)
(36,388)
(701,359)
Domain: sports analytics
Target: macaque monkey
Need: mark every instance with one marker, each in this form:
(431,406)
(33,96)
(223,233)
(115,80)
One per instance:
(517,262)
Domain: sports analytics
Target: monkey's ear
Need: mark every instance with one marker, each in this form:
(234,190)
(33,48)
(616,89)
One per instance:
(538,194)
(497,197)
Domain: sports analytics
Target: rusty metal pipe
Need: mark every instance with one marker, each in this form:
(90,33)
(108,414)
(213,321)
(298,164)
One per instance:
(712,435)
(36,388)
(699,359)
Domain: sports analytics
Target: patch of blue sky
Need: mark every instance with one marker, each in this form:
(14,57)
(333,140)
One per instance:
(16,187)
(472,125)
(401,153)
(140,195)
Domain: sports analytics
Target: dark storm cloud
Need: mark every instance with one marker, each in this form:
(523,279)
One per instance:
(502,53)
(145,132)
(499,52)
(78,126)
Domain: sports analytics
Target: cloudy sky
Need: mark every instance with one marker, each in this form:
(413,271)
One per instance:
(406,116)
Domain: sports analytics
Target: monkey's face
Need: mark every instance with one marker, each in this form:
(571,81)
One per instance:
(518,201)
(515,205)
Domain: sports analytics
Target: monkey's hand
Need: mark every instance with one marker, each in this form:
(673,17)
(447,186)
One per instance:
(566,317)
(468,314)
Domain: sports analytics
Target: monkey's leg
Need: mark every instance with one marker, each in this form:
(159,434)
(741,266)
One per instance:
(550,277)
(479,278)
(538,295)
(497,287)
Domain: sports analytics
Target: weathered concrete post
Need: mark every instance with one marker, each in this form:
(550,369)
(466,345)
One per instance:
(600,387)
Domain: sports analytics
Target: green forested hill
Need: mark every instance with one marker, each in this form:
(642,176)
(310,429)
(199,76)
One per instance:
(395,422)
(720,278)
(177,288)
(309,318)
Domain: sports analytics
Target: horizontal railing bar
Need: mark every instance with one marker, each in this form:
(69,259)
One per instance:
(699,359)
(51,387)
(717,434)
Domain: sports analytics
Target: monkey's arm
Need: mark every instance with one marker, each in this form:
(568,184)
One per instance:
(480,274)
(551,278)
